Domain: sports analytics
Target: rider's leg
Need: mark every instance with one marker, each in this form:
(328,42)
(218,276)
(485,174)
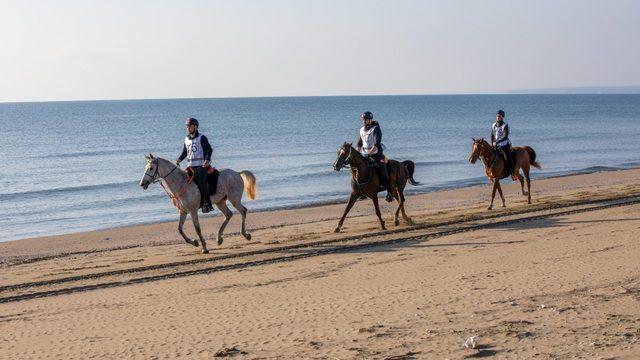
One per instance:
(379,158)
(201,173)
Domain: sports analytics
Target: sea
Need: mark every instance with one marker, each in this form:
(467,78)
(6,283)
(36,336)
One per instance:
(76,166)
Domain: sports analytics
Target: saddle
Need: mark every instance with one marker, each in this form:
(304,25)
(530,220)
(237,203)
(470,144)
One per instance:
(211,181)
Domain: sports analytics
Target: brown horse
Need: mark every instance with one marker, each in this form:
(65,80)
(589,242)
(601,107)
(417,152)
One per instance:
(365,182)
(494,166)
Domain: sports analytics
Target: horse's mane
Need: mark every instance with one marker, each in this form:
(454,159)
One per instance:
(170,163)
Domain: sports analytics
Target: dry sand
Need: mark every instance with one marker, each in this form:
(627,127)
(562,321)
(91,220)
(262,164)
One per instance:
(553,287)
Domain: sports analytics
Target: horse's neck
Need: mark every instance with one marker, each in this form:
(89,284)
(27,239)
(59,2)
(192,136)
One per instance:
(489,157)
(359,169)
(174,179)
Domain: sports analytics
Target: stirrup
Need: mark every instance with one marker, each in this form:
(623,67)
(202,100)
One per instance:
(206,208)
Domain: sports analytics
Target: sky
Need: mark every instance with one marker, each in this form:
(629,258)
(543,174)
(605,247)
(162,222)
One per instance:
(134,49)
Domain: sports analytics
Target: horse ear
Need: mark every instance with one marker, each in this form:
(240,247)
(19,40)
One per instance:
(150,156)
(147,157)
(473,139)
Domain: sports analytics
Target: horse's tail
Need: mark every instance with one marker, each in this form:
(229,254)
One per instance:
(532,157)
(410,167)
(250,183)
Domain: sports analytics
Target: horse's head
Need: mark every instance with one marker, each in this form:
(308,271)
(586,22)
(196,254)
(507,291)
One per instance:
(477,149)
(342,158)
(150,171)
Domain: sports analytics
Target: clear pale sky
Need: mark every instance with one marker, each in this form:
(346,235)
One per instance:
(66,50)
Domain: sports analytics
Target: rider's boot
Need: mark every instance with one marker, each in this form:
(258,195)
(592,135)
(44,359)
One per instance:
(387,181)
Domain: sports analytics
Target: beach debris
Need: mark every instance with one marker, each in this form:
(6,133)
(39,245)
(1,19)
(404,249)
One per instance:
(513,303)
(472,342)
(543,306)
(407,356)
(231,351)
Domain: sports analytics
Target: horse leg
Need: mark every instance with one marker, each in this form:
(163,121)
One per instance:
(404,214)
(352,200)
(500,192)
(196,224)
(493,194)
(521,178)
(222,206)
(183,217)
(243,211)
(396,194)
(526,169)
(374,198)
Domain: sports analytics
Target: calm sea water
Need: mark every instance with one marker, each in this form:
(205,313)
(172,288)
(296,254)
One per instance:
(75,166)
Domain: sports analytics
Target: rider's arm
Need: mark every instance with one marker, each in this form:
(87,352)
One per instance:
(378,133)
(206,147)
(491,137)
(359,145)
(183,154)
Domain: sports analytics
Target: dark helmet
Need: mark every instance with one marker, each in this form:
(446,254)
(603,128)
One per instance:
(367,115)
(500,112)
(191,121)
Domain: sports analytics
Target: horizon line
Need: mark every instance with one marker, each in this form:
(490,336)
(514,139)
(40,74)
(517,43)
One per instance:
(542,91)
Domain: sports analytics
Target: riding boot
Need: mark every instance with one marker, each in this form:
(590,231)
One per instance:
(202,179)
(387,181)
(507,160)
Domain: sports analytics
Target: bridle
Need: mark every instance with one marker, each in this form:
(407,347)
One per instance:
(156,173)
(345,164)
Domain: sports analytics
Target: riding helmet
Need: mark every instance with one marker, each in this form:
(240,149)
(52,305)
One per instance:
(500,112)
(367,115)
(191,121)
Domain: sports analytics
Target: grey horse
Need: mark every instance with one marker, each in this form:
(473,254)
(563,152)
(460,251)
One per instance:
(186,195)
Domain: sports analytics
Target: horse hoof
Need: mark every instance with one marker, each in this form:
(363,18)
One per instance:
(247,236)
(396,222)
(490,208)
(336,230)
(195,243)
(219,241)
(205,251)
(503,205)
(409,221)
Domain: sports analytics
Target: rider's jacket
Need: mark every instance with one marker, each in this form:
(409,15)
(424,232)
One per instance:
(500,134)
(196,150)
(370,136)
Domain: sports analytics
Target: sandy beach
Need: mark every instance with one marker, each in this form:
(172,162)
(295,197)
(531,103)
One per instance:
(556,279)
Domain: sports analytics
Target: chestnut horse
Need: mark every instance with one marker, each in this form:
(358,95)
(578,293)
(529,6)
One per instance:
(494,166)
(365,182)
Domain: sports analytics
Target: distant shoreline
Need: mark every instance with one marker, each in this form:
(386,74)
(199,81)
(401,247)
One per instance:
(549,91)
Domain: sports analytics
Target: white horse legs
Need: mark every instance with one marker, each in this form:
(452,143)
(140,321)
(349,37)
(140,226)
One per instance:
(222,206)
(196,224)
(243,212)
(183,217)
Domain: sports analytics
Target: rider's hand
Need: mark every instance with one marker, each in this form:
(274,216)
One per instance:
(177,162)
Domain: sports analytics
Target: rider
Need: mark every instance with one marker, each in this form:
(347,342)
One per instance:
(370,144)
(198,152)
(500,136)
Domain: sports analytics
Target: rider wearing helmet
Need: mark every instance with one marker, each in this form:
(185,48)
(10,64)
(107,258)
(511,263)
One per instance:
(500,136)
(370,144)
(197,151)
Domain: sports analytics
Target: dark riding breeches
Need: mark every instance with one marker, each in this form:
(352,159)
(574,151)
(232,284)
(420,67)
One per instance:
(201,177)
(379,159)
